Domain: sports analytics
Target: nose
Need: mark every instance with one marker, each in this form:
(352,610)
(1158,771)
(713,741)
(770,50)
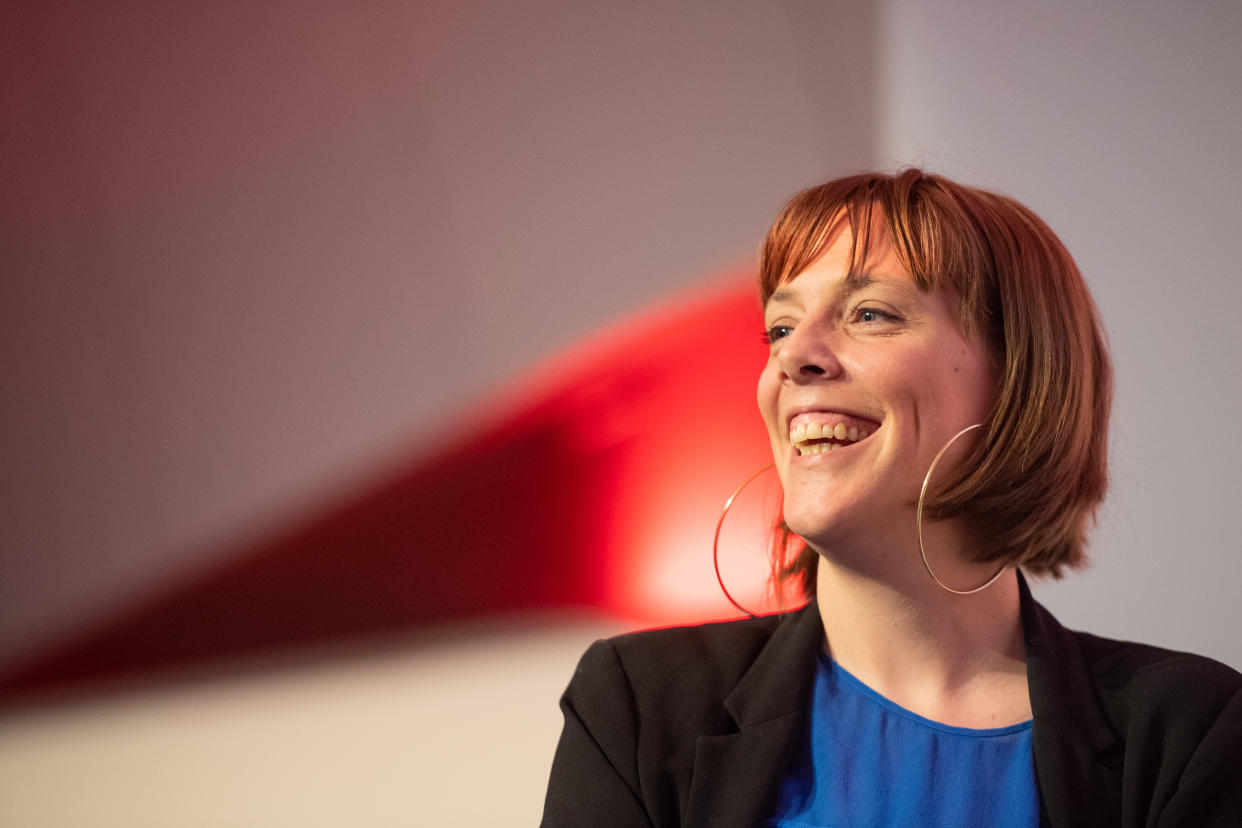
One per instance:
(807,354)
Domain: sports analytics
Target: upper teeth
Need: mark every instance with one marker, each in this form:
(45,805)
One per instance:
(824,431)
(821,431)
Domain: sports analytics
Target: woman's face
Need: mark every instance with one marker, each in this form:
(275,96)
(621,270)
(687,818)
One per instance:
(866,380)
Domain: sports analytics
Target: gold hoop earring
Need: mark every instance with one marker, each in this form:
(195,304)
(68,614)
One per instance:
(918,518)
(716,538)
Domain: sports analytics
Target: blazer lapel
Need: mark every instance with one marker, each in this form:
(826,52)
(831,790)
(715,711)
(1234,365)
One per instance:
(735,774)
(1072,738)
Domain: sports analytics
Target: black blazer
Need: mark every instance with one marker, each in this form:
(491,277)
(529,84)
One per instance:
(695,726)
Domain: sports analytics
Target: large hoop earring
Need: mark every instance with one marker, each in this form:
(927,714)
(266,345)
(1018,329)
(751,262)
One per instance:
(918,518)
(716,538)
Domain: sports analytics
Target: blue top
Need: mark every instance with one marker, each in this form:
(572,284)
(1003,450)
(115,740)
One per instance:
(865,761)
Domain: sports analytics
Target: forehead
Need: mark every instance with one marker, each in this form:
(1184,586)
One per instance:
(851,233)
(791,290)
(846,265)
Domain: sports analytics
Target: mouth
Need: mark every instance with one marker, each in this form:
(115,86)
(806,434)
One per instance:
(819,432)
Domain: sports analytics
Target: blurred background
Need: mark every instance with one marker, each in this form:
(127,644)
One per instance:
(362,362)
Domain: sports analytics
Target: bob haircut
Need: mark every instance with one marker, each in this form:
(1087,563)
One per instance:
(1032,485)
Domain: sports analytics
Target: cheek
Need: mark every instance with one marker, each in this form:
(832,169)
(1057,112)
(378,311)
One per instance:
(962,386)
(766,393)
(927,389)
(974,374)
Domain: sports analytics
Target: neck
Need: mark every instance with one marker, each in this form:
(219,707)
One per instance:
(957,659)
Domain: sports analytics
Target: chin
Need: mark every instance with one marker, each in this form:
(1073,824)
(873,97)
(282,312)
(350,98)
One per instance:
(849,520)
(818,529)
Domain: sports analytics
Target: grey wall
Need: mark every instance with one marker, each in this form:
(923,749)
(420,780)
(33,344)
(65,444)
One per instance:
(1118,123)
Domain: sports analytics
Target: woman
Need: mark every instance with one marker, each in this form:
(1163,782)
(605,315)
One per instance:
(914,325)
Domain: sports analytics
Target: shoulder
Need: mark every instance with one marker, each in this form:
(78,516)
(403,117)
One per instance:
(684,672)
(1186,703)
(1142,682)
(714,654)
(682,676)
(1122,727)
(1142,690)
(640,706)
(1180,718)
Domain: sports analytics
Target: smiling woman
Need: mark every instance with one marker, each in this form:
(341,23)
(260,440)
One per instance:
(914,324)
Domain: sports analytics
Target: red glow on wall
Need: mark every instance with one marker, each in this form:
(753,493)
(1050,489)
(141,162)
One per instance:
(605,474)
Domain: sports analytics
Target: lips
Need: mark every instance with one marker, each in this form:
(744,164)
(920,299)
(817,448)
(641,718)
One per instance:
(817,432)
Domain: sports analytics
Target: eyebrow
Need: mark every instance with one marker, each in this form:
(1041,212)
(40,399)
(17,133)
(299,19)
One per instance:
(851,284)
(858,281)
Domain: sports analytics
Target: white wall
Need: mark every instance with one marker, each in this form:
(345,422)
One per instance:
(398,736)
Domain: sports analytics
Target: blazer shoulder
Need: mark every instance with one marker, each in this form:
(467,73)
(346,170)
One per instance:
(1147,681)
(1180,716)
(703,656)
(640,705)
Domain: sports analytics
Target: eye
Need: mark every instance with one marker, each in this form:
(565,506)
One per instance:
(873,315)
(776,333)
